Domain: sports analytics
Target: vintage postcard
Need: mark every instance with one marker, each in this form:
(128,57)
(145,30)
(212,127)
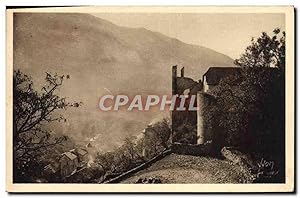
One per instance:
(150,99)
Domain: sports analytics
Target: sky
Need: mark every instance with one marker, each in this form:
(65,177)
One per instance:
(229,34)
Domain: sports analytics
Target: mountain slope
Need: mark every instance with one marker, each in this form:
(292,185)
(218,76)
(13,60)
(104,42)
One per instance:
(101,56)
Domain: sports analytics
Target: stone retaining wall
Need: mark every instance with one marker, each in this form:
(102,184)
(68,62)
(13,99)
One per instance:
(192,149)
(140,167)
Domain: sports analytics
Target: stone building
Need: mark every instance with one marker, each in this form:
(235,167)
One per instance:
(68,164)
(213,76)
(189,127)
(81,154)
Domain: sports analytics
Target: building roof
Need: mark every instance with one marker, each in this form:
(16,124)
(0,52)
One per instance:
(72,150)
(52,167)
(196,88)
(70,155)
(89,145)
(81,152)
(78,151)
(215,74)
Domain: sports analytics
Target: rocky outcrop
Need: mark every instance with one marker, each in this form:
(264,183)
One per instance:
(246,164)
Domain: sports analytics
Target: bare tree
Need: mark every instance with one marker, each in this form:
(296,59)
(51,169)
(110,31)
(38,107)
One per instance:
(32,110)
(106,161)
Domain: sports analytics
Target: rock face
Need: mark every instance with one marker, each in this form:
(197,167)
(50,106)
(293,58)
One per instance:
(103,58)
(246,164)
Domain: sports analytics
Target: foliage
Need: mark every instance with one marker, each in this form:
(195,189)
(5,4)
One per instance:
(32,111)
(157,135)
(132,152)
(266,51)
(251,114)
(184,126)
(121,159)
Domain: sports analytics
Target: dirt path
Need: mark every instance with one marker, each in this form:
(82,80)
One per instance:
(190,169)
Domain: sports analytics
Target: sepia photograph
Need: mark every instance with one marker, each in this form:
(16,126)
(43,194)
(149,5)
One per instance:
(150,99)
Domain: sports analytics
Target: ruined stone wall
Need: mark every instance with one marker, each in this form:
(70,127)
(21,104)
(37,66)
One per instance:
(189,127)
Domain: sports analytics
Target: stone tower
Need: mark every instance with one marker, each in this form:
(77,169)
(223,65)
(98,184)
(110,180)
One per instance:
(182,72)
(174,92)
(200,121)
(197,116)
